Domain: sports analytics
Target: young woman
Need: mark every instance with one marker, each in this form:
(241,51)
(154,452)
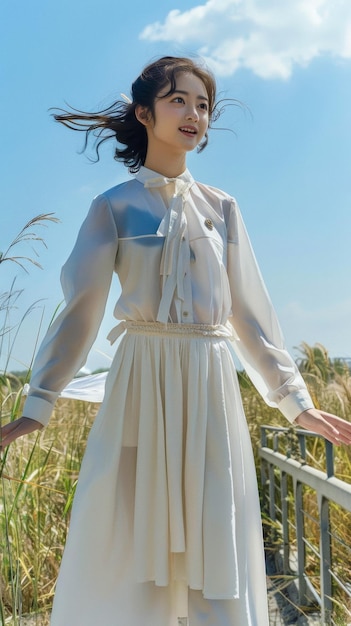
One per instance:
(165,528)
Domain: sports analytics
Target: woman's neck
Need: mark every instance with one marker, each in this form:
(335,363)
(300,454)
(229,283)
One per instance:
(171,168)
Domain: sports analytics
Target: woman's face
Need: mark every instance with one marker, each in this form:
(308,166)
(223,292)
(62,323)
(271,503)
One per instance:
(180,119)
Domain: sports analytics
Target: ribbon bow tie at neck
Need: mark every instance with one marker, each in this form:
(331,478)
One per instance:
(175,260)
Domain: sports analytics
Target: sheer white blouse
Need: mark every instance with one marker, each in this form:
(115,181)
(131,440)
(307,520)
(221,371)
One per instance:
(182,255)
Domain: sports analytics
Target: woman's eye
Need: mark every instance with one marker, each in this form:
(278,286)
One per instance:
(178,99)
(204,106)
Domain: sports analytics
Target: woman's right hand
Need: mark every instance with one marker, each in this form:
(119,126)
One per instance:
(18,428)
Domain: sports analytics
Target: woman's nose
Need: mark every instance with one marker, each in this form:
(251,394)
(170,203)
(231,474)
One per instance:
(192,113)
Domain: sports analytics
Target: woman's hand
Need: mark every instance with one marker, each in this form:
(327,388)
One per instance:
(17,428)
(333,428)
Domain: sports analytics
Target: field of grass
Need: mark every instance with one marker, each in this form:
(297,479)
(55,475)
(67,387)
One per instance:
(38,479)
(39,474)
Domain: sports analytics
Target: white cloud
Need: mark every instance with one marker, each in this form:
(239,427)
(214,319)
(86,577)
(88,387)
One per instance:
(268,37)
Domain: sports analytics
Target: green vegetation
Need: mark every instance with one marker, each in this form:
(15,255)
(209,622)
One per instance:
(39,475)
(329,383)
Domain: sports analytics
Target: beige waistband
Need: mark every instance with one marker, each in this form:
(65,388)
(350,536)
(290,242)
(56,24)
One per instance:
(166,330)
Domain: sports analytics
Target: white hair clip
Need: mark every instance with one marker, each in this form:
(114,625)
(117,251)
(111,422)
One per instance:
(125,98)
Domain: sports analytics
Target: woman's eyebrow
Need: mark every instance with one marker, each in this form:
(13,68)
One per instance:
(186,93)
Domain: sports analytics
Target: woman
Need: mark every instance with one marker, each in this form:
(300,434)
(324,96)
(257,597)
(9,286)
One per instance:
(165,526)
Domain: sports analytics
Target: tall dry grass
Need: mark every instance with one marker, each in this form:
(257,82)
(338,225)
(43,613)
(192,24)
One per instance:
(329,383)
(39,475)
(13,520)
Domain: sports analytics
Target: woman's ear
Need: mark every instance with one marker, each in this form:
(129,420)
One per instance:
(143,114)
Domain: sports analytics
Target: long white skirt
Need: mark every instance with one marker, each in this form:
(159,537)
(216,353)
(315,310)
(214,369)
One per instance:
(165,527)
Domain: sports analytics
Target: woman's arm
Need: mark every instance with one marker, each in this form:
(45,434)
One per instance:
(260,345)
(86,279)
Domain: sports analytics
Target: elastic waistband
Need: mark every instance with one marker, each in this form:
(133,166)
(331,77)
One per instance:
(167,330)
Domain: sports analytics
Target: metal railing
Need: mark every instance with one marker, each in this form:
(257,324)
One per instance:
(295,496)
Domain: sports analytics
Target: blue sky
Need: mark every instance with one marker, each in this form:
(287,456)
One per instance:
(287,163)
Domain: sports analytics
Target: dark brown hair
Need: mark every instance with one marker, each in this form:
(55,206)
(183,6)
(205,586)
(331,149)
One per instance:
(119,122)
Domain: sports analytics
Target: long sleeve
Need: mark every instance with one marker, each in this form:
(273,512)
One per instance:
(86,279)
(260,344)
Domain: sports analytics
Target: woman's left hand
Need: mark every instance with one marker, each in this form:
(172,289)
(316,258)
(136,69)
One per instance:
(333,428)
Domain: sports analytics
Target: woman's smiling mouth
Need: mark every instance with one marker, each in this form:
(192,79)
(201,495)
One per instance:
(188,130)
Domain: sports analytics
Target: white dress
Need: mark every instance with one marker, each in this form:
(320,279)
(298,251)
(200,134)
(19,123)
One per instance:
(166,519)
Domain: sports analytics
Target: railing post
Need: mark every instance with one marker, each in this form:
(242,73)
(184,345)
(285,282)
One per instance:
(285,522)
(325,560)
(329,489)
(329,455)
(272,513)
(263,462)
(300,534)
